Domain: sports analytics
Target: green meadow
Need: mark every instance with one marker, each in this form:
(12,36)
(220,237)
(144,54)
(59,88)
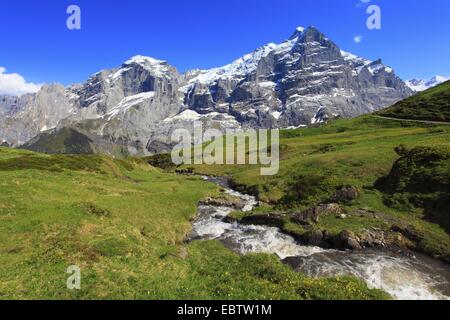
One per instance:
(361,152)
(123,222)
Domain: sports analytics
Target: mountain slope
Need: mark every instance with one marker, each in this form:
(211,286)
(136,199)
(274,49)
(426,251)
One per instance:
(430,105)
(74,140)
(64,141)
(304,80)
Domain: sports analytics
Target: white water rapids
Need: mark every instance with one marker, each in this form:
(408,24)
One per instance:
(404,277)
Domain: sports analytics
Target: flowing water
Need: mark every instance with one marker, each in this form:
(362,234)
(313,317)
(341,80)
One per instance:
(405,277)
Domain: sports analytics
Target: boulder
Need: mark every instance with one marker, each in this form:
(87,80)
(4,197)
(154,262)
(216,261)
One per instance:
(314,238)
(408,231)
(187,171)
(346,194)
(221,202)
(373,238)
(314,213)
(349,240)
(271,220)
(364,213)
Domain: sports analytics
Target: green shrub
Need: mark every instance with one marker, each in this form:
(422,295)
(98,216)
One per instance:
(162,161)
(307,189)
(420,178)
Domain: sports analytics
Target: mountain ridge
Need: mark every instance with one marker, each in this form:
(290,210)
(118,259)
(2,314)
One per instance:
(303,80)
(419,85)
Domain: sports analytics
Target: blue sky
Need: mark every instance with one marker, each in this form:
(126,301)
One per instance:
(35,43)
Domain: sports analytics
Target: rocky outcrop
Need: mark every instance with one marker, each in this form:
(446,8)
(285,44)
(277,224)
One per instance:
(409,232)
(35,113)
(316,238)
(8,104)
(271,220)
(307,217)
(346,194)
(235,203)
(348,240)
(310,233)
(314,213)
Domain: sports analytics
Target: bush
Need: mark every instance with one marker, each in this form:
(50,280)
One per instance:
(307,189)
(162,161)
(421,179)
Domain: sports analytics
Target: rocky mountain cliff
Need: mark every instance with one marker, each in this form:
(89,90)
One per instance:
(305,80)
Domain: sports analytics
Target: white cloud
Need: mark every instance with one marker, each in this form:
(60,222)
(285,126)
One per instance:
(15,85)
(358,39)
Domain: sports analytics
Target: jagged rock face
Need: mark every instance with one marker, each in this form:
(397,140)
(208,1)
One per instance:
(125,105)
(35,113)
(159,140)
(296,82)
(305,80)
(8,104)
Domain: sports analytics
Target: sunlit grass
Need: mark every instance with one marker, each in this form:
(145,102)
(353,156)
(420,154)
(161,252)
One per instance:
(124,224)
(354,152)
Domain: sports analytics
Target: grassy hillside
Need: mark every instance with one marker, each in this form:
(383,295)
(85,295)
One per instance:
(123,223)
(430,105)
(421,178)
(73,141)
(318,162)
(64,141)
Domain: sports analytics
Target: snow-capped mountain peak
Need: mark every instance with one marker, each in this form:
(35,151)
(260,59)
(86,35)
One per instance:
(158,67)
(351,57)
(297,33)
(304,80)
(376,66)
(237,69)
(145,61)
(425,84)
(248,63)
